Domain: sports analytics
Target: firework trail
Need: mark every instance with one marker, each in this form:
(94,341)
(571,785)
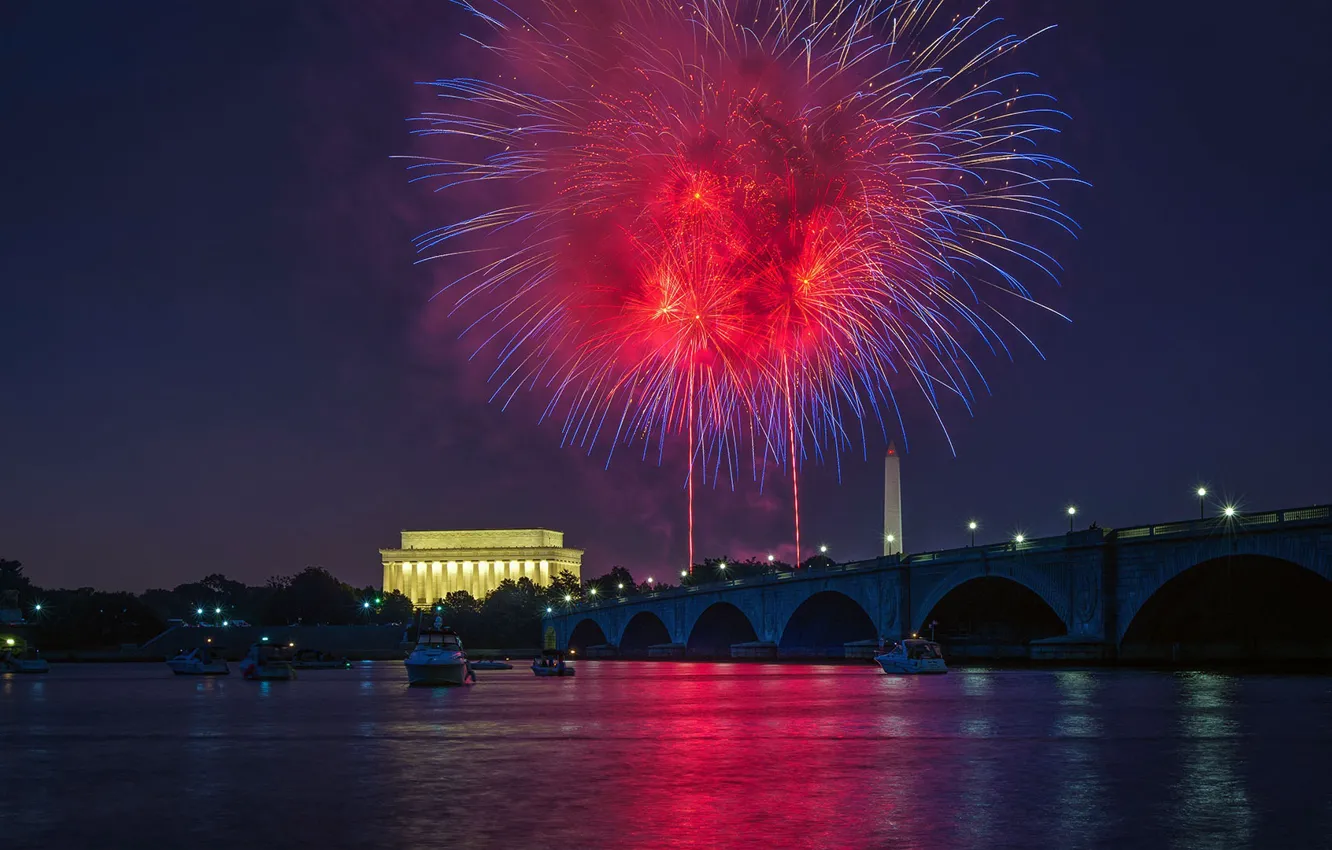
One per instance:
(748,225)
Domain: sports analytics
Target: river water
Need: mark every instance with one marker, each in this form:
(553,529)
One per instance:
(641,754)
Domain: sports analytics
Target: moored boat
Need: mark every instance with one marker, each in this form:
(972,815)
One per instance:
(913,656)
(267,663)
(439,658)
(313,659)
(199,662)
(552,664)
(17,657)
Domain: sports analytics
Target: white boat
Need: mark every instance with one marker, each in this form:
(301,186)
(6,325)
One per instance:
(17,657)
(199,662)
(491,665)
(552,665)
(439,658)
(913,656)
(266,662)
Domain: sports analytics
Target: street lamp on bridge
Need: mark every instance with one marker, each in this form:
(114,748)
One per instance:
(1202,506)
(889,540)
(973,526)
(1072,512)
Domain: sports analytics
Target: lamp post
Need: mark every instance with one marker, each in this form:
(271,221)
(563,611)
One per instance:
(1229,511)
(1202,507)
(823,550)
(1072,512)
(889,540)
(972,526)
(1018,539)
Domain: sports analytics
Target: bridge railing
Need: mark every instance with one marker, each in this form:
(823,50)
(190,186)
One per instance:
(1245,522)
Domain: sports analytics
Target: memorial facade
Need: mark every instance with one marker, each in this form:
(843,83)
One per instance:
(431,564)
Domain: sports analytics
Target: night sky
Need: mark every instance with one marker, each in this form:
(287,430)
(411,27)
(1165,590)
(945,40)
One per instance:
(218,356)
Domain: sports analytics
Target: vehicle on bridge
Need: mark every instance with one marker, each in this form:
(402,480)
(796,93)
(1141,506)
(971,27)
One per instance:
(913,656)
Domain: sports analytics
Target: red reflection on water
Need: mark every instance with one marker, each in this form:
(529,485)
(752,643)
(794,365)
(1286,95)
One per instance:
(767,755)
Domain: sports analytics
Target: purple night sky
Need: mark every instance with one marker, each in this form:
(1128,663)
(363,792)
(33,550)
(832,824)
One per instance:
(220,358)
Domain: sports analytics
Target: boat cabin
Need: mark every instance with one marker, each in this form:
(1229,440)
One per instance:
(916,649)
(439,638)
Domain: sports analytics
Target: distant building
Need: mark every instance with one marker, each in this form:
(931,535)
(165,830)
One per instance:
(431,564)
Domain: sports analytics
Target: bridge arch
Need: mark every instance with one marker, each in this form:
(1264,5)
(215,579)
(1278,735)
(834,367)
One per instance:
(1141,583)
(643,630)
(717,627)
(991,616)
(1055,598)
(1240,605)
(822,624)
(587,632)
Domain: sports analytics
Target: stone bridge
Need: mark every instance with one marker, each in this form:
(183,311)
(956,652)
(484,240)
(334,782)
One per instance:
(1096,582)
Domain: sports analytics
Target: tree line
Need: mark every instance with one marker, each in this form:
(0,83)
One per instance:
(507,617)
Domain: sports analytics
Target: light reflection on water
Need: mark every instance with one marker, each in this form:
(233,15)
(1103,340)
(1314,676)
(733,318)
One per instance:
(671,755)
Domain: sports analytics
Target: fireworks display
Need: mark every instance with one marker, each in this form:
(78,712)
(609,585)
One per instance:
(746,226)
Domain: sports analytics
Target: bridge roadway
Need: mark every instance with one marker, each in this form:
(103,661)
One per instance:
(1095,581)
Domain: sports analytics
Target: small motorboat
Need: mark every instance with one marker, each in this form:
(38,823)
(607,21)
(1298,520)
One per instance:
(265,662)
(313,659)
(199,662)
(552,664)
(17,657)
(912,656)
(491,665)
(439,658)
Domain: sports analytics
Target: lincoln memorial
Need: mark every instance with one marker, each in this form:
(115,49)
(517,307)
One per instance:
(431,564)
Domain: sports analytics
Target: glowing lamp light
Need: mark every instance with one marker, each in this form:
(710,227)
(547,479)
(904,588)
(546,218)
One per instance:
(37,607)
(217,610)
(198,611)
(1229,511)
(1019,538)
(1072,510)
(1202,491)
(264,639)
(568,597)
(9,641)
(650,579)
(377,600)
(684,573)
(771,558)
(890,538)
(722,565)
(592,591)
(620,585)
(291,644)
(209,640)
(823,549)
(972,525)
(549,609)
(226,622)
(365,604)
